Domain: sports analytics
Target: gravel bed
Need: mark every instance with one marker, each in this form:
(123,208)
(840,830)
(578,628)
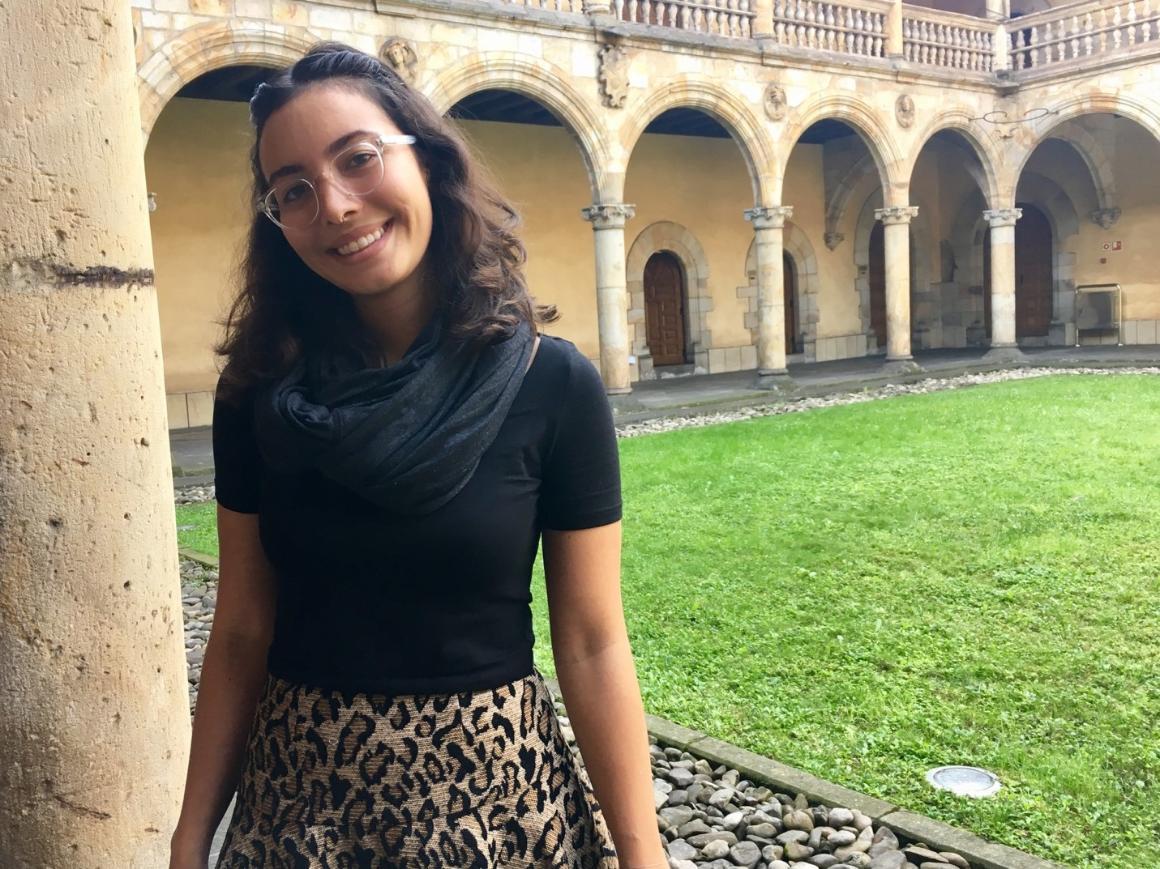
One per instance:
(193,494)
(198,599)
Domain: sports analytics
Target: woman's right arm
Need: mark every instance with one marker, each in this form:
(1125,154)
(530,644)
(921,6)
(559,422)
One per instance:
(232,676)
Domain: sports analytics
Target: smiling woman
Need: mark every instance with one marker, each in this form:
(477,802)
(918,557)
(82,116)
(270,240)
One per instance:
(391,440)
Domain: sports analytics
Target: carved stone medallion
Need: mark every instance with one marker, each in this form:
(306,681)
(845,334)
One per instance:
(399,55)
(613,76)
(775,104)
(904,111)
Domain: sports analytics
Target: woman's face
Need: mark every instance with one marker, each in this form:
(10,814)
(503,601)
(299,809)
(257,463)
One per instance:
(398,210)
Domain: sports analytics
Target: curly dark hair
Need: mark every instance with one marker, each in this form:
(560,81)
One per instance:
(284,309)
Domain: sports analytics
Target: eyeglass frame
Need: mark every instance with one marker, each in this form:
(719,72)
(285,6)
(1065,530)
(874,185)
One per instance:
(379,142)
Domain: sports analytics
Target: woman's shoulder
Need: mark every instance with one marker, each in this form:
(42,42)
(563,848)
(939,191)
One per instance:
(565,374)
(559,355)
(562,367)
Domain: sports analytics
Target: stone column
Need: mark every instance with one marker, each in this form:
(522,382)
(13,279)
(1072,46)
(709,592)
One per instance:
(896,239)
(94,714)
(611,293)
(1002,222)
(768,224)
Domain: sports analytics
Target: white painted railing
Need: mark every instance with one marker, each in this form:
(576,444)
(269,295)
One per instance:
(947,40)
(719,17)
(1082,30)
(840,27)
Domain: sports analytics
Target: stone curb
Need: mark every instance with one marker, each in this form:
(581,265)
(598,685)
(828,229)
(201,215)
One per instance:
(910,826)
(201,558)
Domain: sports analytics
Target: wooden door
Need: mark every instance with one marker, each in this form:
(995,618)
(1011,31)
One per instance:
(664,308)
(789,276)
(878,283)
(1033,274)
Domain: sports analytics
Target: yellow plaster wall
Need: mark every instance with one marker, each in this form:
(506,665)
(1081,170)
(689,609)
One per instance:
(804,190)
(196,163)
(703,185)
(541,172)
(1134,164)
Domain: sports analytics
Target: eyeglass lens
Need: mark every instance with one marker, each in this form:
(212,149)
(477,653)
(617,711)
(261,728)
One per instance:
(293,202)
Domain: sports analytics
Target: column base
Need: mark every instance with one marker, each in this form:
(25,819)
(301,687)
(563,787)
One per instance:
(901,365)
(773,379)
(1008,354)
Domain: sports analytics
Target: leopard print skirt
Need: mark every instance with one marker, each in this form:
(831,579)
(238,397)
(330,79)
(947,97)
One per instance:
(373,781)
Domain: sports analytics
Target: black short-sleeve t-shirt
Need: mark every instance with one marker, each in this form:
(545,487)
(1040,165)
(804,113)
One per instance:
(368,601)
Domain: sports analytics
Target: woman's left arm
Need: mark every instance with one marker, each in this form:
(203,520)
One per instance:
(597,677)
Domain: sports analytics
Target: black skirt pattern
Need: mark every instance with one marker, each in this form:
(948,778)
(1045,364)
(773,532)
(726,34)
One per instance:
(478,779)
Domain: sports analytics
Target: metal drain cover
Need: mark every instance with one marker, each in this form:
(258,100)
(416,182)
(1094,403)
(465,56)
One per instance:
(965,781)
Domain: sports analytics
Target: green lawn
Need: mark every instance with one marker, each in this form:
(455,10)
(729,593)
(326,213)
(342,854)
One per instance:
(869,591)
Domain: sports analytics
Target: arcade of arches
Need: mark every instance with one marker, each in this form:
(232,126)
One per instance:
(715,213)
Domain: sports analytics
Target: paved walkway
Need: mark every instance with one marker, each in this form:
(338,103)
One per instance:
(192,449)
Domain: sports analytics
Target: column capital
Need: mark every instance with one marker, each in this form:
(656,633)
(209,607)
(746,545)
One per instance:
(997,217)
(609,215)
(772,217)
(896,214)
(1105,218)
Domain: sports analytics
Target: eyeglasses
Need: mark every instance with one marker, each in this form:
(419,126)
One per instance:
(292,202)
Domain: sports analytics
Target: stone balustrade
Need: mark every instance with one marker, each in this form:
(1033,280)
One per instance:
(551,5)
(846,28)
(1089,30)
(1082,30)
(719,17)
(947,40)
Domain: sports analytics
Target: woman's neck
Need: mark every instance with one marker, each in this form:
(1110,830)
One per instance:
(396,318)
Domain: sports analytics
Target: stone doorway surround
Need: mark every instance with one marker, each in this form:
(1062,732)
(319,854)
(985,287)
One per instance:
(665,235)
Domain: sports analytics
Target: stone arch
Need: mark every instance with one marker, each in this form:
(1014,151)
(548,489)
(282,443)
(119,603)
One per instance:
(1144,113)
(211,46)
(959,121)
(797,244)
(839,198)
(862,117)
(1094,156)
(542,82)
(715,100)
(664,235)
(920,236)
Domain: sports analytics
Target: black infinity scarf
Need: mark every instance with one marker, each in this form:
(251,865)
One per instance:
(406,437)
